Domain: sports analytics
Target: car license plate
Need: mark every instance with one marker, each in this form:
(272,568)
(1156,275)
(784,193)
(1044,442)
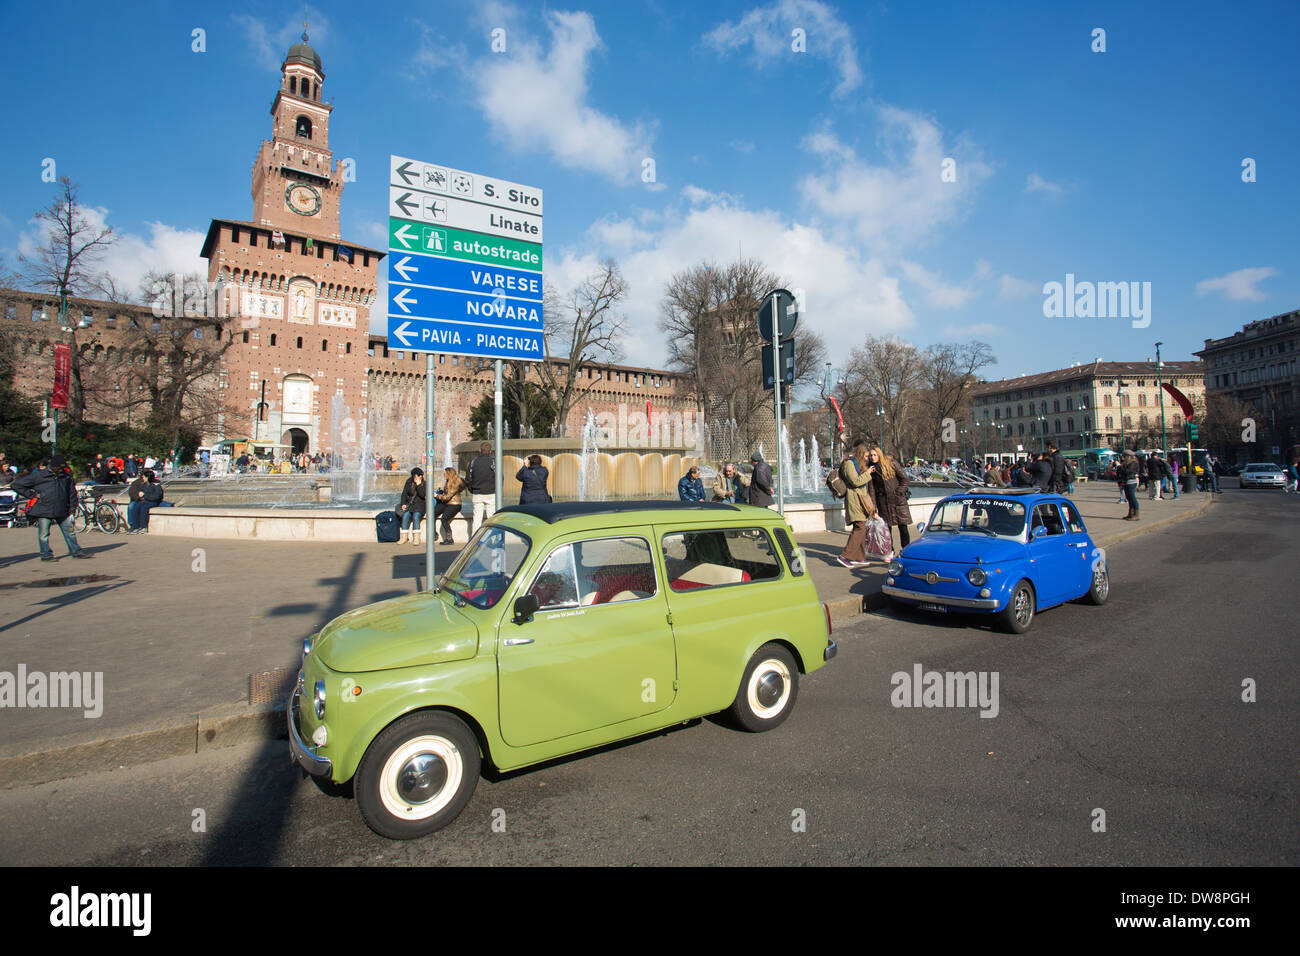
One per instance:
(937,608)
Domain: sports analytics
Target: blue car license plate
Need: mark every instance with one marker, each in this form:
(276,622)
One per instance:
(937,608)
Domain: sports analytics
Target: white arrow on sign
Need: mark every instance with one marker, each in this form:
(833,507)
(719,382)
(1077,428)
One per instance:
(402,267)
(401,332)
(400,299)
(403,238)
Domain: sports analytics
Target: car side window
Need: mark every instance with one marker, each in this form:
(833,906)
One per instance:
(1047,516)
(791,554)
(556,584)
(714,558)
(1072,519)
(613,570)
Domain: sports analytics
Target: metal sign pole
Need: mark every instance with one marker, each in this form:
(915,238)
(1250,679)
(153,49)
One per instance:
(779,375)
(497,432)
(430,533)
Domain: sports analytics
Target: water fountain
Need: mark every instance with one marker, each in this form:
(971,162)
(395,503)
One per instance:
(588,484)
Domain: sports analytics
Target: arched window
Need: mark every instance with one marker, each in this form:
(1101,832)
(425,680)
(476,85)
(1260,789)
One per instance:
(300,341)
(272,338)
(306,88)
(1056,427)
(349,348)
(1105,400)
(1142,399)
(293,85)
(302,127)
(1056,405)
(324,344)
(1069,424)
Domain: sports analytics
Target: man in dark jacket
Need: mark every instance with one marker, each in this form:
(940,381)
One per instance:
(1057,461)
(482,481)
(691,486)
(144,494)
(760,482)
(56,500)
(1041,472)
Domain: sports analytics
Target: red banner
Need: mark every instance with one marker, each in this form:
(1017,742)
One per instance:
(62,376)
(1183,401)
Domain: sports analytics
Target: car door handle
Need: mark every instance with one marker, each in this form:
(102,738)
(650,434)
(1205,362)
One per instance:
(512,641)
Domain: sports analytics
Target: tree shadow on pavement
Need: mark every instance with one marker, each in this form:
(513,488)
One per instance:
(57,601)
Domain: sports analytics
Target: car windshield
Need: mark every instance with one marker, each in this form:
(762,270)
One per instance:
(487,566)
(999,517)
(1263,468)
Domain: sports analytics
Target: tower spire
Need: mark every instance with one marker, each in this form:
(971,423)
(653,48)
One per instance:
(304,31)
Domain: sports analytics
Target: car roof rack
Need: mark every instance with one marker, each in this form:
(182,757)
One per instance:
(559,511)
(986,492)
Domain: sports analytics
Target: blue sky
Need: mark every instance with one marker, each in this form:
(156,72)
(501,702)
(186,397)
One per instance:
(827,164)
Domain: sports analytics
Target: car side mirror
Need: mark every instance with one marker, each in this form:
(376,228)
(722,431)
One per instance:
(920,527)
(525,607)
(1037,532)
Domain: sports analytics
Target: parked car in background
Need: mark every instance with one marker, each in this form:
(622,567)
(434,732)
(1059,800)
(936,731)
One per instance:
(1008,554)
(559,628)
(1263,474)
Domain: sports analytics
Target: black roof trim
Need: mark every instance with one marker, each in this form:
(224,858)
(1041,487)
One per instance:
(579,509)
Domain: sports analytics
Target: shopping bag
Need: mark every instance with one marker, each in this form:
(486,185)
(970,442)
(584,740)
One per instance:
(880,541)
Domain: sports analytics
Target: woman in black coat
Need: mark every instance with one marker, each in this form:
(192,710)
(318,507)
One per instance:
(533,479)
(414,504)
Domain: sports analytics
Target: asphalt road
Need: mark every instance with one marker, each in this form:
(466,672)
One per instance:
(1134,708)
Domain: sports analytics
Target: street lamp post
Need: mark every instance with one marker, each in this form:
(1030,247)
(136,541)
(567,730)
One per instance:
(1042,433)
(1120,393)
(1160,385)
(880,424)
(830,379)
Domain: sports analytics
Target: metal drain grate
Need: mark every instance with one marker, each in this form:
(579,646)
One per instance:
(268,686)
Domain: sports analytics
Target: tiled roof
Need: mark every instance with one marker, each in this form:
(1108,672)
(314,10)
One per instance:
(1087,371)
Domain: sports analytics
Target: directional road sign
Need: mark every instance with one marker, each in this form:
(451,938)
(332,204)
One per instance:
(787,314)
(464,262)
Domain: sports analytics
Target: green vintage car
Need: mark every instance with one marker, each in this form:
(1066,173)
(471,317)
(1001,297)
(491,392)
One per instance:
(559,628)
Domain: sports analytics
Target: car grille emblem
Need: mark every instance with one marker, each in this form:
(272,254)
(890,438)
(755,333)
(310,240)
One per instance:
(931,577)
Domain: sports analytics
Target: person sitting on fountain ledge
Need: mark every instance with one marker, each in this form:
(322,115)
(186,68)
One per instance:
(412,508)
(690,487)
(731,485)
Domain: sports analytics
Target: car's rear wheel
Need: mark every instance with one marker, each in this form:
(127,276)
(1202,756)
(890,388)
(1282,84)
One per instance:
(767,691)
(417,775)
(1019,612)
(1099,589)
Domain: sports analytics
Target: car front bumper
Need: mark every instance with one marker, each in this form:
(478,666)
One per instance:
(921,597)
(300,750)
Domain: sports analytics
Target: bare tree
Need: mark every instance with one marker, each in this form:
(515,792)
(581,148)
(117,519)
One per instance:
(948,373)
(64,266)
(689,299)
(582,327)
(881,392)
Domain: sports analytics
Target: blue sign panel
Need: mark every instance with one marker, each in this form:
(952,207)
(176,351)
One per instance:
(417,270)
(463,338)
(460,306)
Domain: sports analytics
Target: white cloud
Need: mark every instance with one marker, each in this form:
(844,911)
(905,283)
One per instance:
(1013,288)
(848,295)
(131,256)
(938,293)
(769,30)
(903,199)
(1238,286)
(540,97)
(1037,184)
(268,44)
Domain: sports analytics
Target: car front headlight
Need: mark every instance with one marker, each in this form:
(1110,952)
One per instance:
(977,577)
(896,567)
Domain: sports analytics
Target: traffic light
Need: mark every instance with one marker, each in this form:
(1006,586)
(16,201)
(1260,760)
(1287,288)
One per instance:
(1192,432)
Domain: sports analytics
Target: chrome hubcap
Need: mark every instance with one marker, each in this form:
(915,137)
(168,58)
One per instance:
(770,688)
(421,778)
(1100,582)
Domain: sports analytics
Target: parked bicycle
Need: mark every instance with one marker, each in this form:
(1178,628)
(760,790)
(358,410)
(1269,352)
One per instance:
(93,510)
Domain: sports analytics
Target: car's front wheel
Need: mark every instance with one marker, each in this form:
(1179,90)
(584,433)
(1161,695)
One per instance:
(768,689)
(1019,612)
(1099,588)
(417,775)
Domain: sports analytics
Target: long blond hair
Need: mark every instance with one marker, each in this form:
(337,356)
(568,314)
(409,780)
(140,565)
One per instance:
(886,463)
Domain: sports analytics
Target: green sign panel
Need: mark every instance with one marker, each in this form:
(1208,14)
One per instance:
(403,234)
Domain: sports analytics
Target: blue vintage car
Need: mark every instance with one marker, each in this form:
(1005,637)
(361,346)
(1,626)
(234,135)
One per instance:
(1009,553)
